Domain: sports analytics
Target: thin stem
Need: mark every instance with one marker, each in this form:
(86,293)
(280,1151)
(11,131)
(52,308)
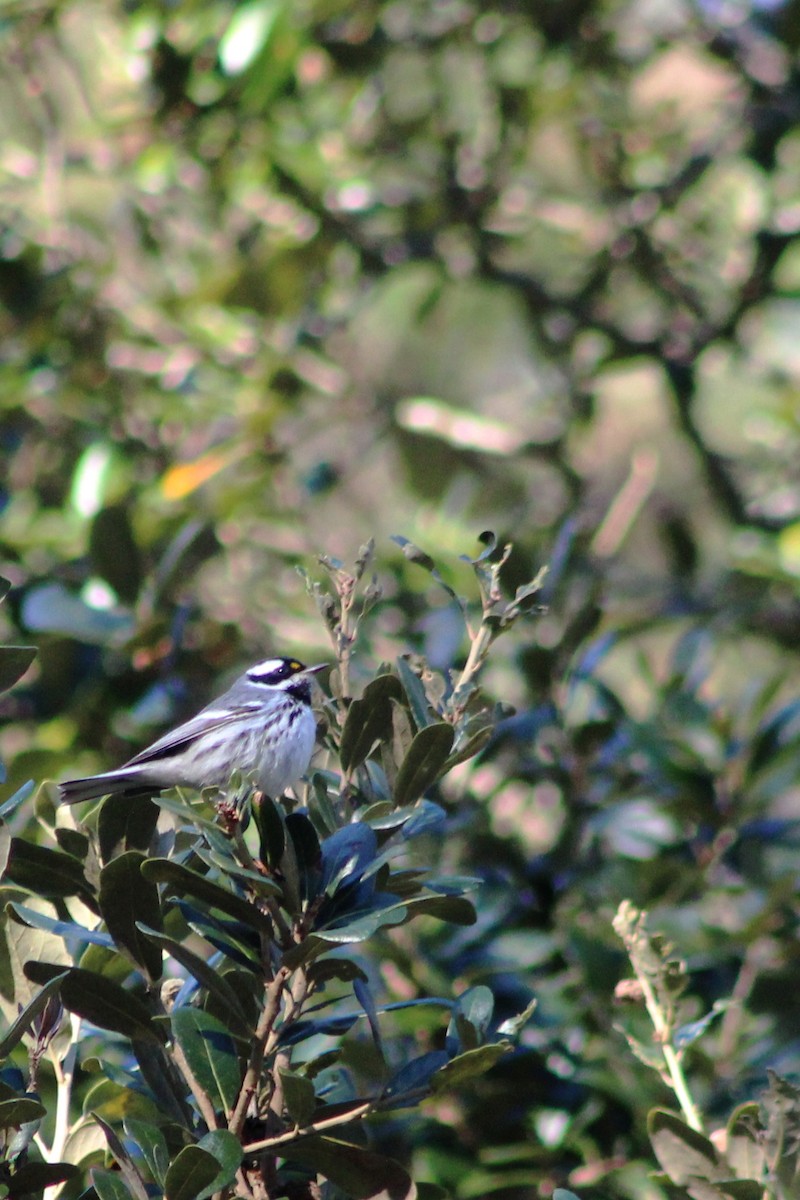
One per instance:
(357,1113)
(269,1016)
(674,1068)
(475,659)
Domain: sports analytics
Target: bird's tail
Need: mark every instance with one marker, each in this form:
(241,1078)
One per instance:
(73,791)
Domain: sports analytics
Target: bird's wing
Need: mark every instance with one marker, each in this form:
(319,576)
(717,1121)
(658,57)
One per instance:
(178,739)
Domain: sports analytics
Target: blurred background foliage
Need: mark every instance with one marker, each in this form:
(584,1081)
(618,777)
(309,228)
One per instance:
(276,277)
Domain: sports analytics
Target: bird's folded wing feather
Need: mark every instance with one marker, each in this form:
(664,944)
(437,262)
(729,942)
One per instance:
(178,739)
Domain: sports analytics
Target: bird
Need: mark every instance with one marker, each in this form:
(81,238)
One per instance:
(263,726)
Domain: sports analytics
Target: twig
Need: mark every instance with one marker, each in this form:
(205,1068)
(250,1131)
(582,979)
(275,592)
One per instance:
(272,1007)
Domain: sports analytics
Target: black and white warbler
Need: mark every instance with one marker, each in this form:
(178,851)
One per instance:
(263,726)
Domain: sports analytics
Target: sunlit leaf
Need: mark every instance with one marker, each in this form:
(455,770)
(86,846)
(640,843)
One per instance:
(211,1054)
(190,1174)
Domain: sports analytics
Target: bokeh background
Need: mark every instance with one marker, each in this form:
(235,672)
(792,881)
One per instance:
(279,277)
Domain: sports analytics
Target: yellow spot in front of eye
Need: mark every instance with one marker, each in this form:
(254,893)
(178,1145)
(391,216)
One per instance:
(295,665)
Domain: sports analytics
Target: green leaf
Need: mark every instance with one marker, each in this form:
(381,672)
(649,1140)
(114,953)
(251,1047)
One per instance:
(190,1174)
(211,1054)
(153,1145)
(207,976)
(362,1174)
(20,1111)
(128,1168)
(303,856)
(32,1178)
(468,1066)
(45,872)
(422,765)
(458,910)
(369,720)
(682,1153)
(126,899)
(415,692)
(102,1002)
(227,1150)
(14,662)
(299,1097)
(30,1012)
(126,823)
(271,830)
(184,881)
(109,1185)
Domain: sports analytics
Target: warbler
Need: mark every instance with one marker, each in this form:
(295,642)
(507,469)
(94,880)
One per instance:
(263,727)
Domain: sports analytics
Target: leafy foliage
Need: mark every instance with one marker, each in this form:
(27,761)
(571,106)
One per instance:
(276,278)
(224,1067)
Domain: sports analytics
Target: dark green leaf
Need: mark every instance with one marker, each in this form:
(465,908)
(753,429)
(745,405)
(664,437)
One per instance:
(14,662)
(45,872)
(271,831)
(458,910)
(361,928)
(423,764)
(114,552)
(211,1054)
(682,1153)
(369,720)
(109,1185)
(183,881)
(20,1111)
(335,968)
(468,1065)
(102,1002)
(227,1150)
(126,898)
(307,854)
(209,977)
(415,1075)
(128,1168)
(161,1078)
(126,823)
(32,1178)
(362,1174)
(191,1173)
(298,1096)
(236,941)
(153,1145)
(471,747)
(415,693)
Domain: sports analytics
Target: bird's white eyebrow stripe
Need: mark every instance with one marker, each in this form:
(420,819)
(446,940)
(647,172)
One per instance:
(266,667)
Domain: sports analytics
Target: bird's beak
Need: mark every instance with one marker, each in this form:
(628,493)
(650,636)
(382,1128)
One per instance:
(317,667)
